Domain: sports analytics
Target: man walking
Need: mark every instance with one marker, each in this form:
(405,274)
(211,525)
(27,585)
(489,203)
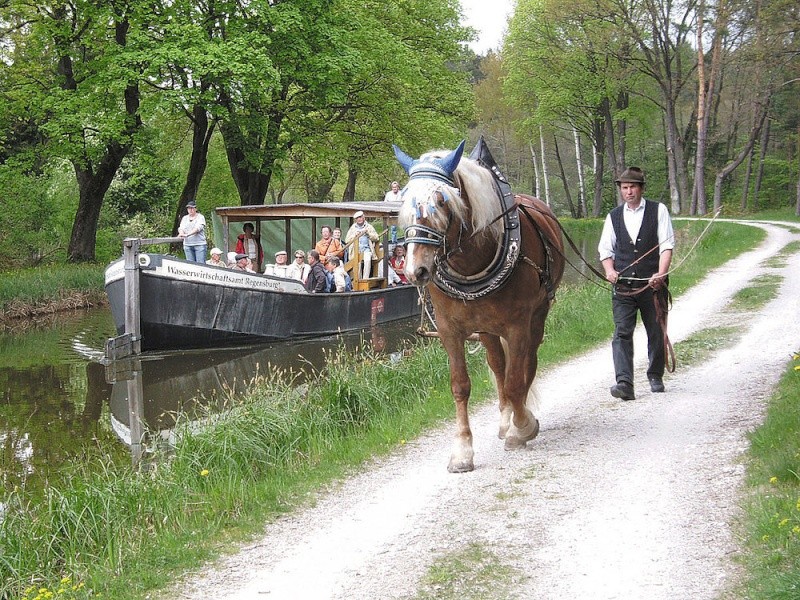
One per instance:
(636,251)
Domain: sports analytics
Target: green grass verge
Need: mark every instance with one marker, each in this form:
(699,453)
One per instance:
(771,525)
(124,532)
(26,289)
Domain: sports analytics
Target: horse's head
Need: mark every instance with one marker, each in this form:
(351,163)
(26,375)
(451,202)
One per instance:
(429,201)
(436,206)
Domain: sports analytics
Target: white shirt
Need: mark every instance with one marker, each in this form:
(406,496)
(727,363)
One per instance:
(632,219)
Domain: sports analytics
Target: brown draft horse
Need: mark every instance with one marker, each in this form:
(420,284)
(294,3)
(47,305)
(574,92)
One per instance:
(455,225)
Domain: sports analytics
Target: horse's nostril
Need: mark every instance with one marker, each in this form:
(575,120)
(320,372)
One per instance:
(421,274)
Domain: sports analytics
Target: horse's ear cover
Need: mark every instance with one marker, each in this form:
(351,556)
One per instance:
(404,159)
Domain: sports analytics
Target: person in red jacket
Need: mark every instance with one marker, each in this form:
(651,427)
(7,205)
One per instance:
(250,244)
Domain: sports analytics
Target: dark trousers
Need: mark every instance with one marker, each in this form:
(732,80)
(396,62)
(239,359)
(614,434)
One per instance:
(624,309)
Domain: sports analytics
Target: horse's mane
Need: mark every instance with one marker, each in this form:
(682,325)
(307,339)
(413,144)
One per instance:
(475,194)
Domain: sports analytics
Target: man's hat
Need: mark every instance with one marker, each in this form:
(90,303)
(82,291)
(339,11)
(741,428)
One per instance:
(191,204)
(279,252)
(241,256)
(216,251)
(631,175)
(358,213)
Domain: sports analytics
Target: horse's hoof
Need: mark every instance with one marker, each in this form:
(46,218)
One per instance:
(520,437)
(502,432)
(460,466)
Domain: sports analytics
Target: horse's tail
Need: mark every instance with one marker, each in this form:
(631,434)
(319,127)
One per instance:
(534,400)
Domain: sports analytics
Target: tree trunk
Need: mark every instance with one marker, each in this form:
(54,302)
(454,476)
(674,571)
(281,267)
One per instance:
(579,164)
(762,154)
(728,169)
(535,182)
(598,165)
(349,194)
(94,179)
(567,193)
(202,132)
(544,168)
(746,184)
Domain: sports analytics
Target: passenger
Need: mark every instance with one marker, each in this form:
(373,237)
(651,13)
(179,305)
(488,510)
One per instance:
(317,282)
(193,231)
(216,258)
(341,280)
(398,262)
(367,236)
(299,269)
(393,195)
(280,268)
(250,244)
(241,262)
(231,259)
(329,246)
(393,278)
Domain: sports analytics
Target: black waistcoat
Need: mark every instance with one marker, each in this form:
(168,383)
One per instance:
(628,250)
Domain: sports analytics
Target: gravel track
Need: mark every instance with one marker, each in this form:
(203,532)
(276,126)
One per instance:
(613,500)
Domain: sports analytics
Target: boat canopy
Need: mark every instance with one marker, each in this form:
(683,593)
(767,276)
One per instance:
(309,210)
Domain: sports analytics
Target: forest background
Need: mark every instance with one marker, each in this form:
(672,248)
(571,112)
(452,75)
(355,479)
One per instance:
(113,115)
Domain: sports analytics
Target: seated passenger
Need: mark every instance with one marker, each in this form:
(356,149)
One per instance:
(280,268)
(398,262)
(329,246)
(341,280)
(299,269)
(367,236)
(393,279)
(241,262)
(216,258)
(317,281)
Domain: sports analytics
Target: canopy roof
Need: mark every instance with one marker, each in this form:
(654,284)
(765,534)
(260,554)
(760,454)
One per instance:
(270,212)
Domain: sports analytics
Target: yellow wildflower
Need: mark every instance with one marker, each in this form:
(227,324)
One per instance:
(783,523)
(773,479)
(204,473)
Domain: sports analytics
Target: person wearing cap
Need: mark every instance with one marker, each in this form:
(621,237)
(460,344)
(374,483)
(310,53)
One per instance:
(299,269)
(636,251)
(193,231)
(393,195)
(241,262)
(329,246)
(367,236)
(216,258)
(249,243)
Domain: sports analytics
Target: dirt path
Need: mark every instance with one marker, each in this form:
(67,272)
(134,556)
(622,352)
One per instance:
(612,500)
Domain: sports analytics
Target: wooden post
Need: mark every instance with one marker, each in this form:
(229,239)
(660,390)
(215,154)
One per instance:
(133,325)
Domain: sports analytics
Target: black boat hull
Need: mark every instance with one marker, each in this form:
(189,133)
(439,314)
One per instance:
(186,305)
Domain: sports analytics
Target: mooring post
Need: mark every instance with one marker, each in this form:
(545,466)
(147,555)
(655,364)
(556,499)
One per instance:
(133,326)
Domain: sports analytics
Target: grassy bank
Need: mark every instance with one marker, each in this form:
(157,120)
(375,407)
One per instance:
(120,532)
(48,289)
(771,528)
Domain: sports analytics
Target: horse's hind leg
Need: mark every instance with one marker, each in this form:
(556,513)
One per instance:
(496,359)
(461,457)
(523,363)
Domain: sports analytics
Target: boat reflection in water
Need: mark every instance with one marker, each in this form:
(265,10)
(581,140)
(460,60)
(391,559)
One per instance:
(150,392)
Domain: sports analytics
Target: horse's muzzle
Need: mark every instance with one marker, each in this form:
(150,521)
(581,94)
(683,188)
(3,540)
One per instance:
(420,277)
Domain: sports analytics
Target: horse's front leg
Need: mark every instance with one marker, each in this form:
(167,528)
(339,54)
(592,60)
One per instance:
(461,458)
(496,359)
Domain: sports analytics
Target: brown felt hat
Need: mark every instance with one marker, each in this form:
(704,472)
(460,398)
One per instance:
(631,175)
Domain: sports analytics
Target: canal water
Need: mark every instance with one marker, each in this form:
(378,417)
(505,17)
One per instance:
(60,401)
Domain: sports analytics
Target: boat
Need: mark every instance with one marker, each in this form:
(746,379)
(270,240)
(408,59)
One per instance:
(163,302)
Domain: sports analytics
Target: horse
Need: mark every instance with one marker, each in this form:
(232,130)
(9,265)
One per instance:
(495,260)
